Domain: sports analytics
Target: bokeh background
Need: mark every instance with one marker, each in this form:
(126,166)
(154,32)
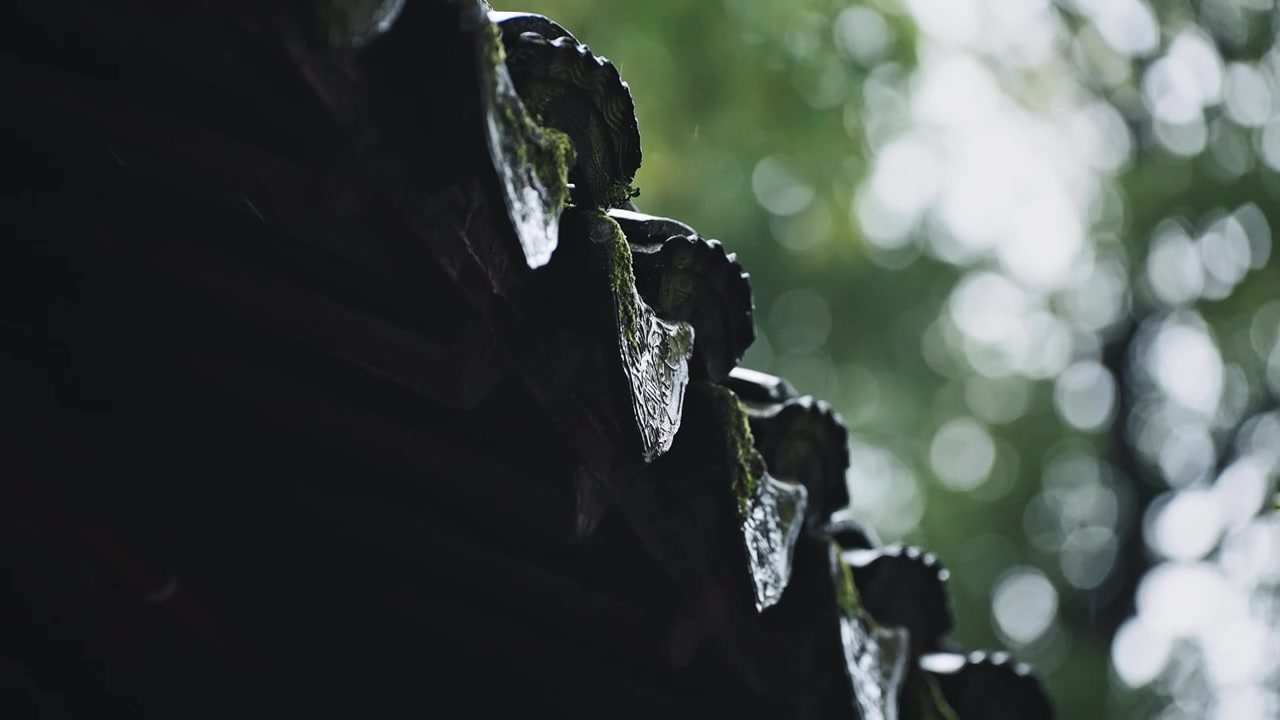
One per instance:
(1025,248)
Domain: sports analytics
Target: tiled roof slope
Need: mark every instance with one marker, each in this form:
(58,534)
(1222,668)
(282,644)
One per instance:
(345,378)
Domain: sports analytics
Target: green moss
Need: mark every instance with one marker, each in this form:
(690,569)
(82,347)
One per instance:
(846,590)
(545,152)
(746,464)
(746,458)
(619,193)
(546,81)
(922,695)
(622,281)
(933,706)
(494,49)
(552,168)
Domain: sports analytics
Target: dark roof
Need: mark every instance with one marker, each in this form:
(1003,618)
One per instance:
(308,416)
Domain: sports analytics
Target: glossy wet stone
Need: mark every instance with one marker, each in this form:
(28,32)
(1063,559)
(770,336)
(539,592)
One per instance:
(876,657)
(531,161)
(754,386)
(514,24)
(647,229)
(567,87)
(991,686)
(774,517)
(654,352)
(904,587)
(850,533)
(804,439)
(687,277)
